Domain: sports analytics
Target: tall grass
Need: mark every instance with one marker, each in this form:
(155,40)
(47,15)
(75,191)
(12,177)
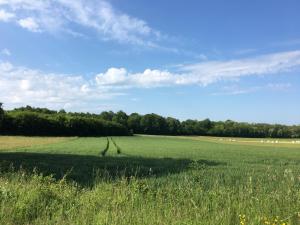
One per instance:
(200,196)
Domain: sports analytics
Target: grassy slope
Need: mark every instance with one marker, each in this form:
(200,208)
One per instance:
(157,180)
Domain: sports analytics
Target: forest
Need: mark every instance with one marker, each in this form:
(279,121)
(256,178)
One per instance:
(32,121)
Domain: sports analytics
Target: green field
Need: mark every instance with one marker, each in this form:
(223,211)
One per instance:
(154,180)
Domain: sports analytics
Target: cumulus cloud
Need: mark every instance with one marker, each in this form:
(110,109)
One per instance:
(6,16)
(99,15)
(113,76)
(120,77)
(30,24)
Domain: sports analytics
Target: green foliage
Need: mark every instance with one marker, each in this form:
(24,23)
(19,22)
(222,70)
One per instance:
(58,124)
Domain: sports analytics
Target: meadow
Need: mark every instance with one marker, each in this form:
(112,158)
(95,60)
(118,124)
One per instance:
(149,180)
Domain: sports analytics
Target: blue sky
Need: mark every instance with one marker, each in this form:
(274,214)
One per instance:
(236,60)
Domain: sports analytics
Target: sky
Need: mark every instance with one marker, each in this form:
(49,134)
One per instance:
(192,59)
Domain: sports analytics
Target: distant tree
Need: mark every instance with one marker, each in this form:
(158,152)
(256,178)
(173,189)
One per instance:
(107,115)
(173,126)
(62,111)
(121,118)
(1,110)
(1,114)
(271,132)
(206,124)
(28,107)
(153,124)
(133,122)
(188,127)
(217,130)
(295,132)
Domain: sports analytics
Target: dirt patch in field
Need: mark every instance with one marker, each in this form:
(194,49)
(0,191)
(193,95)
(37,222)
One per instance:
(12,142)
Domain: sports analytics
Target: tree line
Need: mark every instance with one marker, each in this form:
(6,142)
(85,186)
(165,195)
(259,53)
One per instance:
(44,122)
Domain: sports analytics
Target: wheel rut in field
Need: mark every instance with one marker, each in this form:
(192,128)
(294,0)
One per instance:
(104,151)
(119,150)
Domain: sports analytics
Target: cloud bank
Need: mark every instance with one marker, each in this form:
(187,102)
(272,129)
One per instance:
(20,85)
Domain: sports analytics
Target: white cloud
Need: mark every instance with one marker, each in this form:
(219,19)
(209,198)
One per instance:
(154,78)
(112,76)
(6,52)
(120,77)
(203,73)
(99,15)
(30,24)
(6,16)
(23,86)
(213,71)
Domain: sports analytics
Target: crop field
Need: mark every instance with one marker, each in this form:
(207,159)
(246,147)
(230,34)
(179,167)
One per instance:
(149,180)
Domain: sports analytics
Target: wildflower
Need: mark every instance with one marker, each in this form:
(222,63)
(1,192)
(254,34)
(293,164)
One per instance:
(242,219)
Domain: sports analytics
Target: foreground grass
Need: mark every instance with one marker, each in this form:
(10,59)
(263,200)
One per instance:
(154,181)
